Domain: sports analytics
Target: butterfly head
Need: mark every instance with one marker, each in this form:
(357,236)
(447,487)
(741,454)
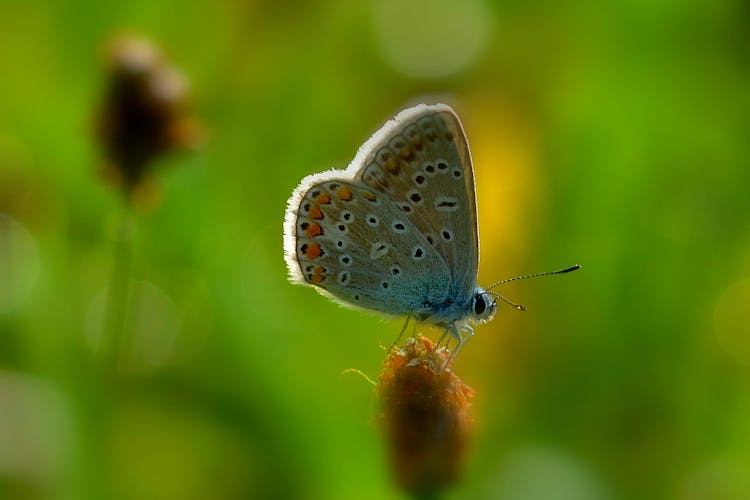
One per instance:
(483,306)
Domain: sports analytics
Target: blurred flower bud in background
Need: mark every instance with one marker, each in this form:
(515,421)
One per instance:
(144,113)
(425,414)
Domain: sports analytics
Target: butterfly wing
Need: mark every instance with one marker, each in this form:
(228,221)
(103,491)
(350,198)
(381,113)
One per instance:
(421,161)
(356,246)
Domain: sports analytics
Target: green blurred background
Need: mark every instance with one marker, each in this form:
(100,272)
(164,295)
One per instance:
(614,135)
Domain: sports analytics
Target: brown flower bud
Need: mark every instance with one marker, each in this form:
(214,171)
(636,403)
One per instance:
(143,114)
(425,415)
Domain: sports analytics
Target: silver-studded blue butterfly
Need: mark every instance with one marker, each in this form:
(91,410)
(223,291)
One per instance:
(396,232)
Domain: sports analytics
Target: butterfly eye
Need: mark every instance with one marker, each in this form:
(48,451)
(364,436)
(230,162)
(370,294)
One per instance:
(479,305)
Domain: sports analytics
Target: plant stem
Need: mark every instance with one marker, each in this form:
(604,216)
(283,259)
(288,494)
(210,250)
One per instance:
(114,339)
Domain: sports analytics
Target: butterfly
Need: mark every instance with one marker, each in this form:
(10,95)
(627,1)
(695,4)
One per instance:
(396,232)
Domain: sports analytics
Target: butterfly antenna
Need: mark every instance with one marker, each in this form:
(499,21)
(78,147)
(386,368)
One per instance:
(520,307)
(560,271)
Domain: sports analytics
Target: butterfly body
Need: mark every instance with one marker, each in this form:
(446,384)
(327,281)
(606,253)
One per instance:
(396,232)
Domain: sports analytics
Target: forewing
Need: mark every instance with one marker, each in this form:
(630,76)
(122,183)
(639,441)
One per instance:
(421,161)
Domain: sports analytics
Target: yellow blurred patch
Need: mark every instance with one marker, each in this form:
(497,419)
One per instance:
(506,163)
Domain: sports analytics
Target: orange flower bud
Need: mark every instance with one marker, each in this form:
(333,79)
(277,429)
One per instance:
(425,415)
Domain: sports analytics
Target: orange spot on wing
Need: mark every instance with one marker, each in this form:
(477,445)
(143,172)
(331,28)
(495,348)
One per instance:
(344,193)
(392,166)
(313,230)
(407,154)
(316,212)
(323,198)
(318,275)
(313,251)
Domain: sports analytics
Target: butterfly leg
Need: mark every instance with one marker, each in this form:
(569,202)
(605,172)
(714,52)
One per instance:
(401,334)
(444,337)
(456,332)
